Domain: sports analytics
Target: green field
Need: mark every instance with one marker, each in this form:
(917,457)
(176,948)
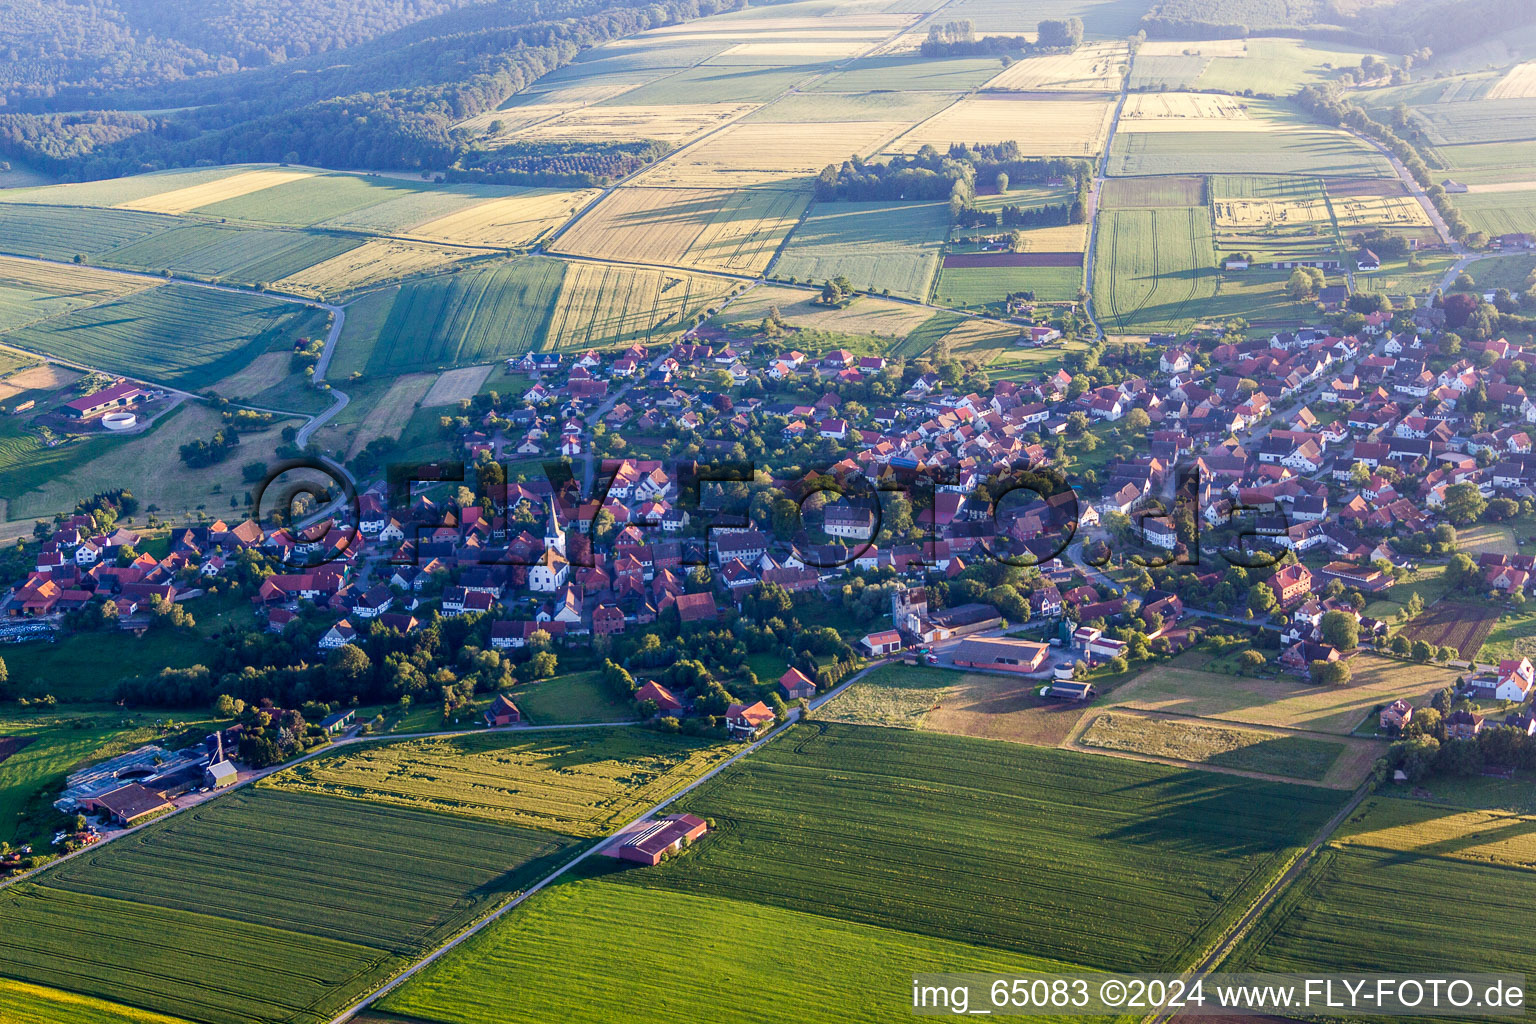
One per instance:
(1130,193)
(1347,913)
(183,335)
(708,84)
(1448,124)
(62,233)
(1153,269)
(266,905)
(1281,152)
(977,287)
(1498,213)
(73,670)
(568,699)
(862,823)
(113,191)
(904,72)
(1167,72)
(1498,272)
(242,255)
(927,334)
(389,877)
(518,971)
(891,247)
(1485,162)
(33,1004)
(1251,750)
(581,783)
(1277,67)
(476,316)
(308,201)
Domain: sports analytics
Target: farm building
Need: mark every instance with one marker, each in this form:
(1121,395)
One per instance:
(502,712)
(796,685)
(649,842)
(219,774)
(1001,655)
(885,642)
(1067,689)
(666,703)
(131,804)
(338,722)
(119,395)
(1368,579)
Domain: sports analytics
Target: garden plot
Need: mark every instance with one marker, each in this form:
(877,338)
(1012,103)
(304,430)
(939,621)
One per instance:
(1042,126)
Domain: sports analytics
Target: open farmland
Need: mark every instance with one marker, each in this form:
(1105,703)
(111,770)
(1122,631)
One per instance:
(1465,627)
(307,201)
(507,221)
(1499,213)
(36,291)
(1448,124)
(1093,67)
(1189,112)
(673,125)
(830,819)
(455,386)
(799,308)
(971,287)
(580,783)
(175,334)
(1281,151)
(1347,913)
(471,317)
(248,256)
(119,191)
(390,883)
(34,1004)
(707,229)
(878,246)
(1041,125)
(387,416)
(1519,82)
(608,306)
(1129,193)
(1180,687)
(757,153)
(62,233)
(190,197)
(1153,268)
(1222,746)
(1276,67)
(376,261)
(518,970)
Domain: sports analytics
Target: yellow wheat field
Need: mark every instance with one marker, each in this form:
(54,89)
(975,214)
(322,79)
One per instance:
(1094,67)
(193,196)
(508,221)
(455,386)
(376,260)
(1202,48)
(606,306)
(767,153)
(1379,211)
(673,125)
(1519,83)
(708,229)
(84,283)
(1041,127)
(1491,837)
(1255,213)
(1061,238)
(1188,112)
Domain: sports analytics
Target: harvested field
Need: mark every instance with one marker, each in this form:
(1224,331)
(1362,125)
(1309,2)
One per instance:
(1519,82)
(1262,213)
(673,125)
(267,370)
(1238,749)
(580,783)
(1502,186)
(191,197)
(608,306)
(47,377)
(997,707)
(1013,259)
(388,417)
(1188,112)
(1041,125)
(764,153)
(376,261)
(981,340)
(1179,687)
(709,229)
(1173,190)
(456,386)
(509,221)
(75,283)
(1092,67)
(1062,238)
(1464,627)
(1379,211)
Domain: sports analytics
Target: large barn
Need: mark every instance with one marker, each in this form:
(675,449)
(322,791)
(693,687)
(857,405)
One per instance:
(1001,655)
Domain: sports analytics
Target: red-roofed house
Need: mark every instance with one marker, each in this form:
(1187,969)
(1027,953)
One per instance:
(745,721)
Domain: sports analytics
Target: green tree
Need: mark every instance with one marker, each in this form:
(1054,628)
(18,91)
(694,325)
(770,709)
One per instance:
(1329,673)
(1464,503)
(1340,629)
